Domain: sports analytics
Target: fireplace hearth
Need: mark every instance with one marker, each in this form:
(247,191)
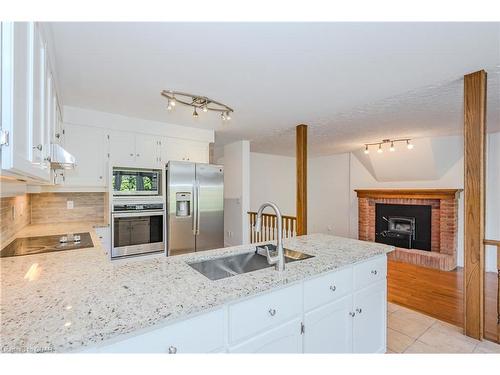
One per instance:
(403,225)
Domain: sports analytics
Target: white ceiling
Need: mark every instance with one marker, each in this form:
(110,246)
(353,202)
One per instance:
(350,82)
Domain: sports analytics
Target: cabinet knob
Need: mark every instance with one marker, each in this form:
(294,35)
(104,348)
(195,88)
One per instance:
(100,177)
(131,154)
(359,310)
(352,314)
(333,288)
(39,147)
(374,272)
(172,350)
(137,155)
(272,312)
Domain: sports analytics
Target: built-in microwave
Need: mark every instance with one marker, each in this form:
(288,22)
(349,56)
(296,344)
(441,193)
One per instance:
(136,182)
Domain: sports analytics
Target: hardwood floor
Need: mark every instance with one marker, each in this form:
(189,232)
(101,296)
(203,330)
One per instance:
(439,293)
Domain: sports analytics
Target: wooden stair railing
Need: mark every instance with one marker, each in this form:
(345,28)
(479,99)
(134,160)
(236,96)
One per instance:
(270,227)
(497,244)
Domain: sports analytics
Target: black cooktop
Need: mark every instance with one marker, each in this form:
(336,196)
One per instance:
(45,244)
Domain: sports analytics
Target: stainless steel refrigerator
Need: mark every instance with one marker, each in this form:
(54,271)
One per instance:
(195,205)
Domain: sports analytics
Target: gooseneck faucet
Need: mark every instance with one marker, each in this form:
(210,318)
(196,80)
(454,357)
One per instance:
(278,260)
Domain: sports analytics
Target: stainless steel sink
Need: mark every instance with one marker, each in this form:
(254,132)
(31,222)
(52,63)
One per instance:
(232,265)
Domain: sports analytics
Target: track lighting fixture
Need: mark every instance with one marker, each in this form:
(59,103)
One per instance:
(197,102)
(392,147)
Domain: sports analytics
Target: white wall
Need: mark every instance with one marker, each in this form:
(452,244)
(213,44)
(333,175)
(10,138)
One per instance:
(328,195)
(272,178)
(492,225)
(236,163)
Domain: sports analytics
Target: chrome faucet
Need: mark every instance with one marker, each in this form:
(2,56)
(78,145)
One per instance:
(278,260)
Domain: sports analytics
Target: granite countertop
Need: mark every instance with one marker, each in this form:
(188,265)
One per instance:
(69,300)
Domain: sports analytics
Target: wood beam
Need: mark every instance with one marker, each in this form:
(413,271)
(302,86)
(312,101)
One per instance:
(474,183)
(301,156)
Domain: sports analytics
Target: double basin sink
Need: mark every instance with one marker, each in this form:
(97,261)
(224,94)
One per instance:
(220,268)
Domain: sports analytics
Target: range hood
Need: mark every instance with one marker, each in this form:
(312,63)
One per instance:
(60,158)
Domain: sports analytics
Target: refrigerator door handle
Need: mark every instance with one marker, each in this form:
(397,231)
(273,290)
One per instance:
(197,207)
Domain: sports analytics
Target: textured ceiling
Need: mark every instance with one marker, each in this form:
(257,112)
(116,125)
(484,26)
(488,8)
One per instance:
(350,82)
(434,110)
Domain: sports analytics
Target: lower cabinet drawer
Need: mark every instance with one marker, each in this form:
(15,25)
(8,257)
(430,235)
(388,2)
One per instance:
(327,288)
(201,334)
(260,313)
(369,272)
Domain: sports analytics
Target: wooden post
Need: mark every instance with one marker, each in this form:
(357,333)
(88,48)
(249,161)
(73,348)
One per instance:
(301,179)
(474,183)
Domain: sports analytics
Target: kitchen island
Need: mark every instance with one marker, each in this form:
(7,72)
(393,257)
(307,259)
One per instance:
(79,300)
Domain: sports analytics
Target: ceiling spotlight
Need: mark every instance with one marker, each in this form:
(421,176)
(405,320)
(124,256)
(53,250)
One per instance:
(172,101)
(195,114)
(169,107)
(205,108)
(409,145)
(223,116)
(392,148)
(380,148)
(366,150)
(228,116)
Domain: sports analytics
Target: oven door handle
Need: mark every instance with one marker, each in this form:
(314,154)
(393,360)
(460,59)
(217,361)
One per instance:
(137,213)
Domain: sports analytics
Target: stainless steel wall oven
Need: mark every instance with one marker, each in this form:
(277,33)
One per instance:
(137,229)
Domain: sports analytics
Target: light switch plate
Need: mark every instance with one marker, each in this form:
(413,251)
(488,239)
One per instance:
(69,205)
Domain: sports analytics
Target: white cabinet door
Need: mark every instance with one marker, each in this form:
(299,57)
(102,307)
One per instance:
(87,145)
(328,329)
(122,149)
(146,151)
(38,98)
(369,323)
(173,150)
(286,338)
(183,150)
(22,101)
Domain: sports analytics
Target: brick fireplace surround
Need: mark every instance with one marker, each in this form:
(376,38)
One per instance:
(444,218)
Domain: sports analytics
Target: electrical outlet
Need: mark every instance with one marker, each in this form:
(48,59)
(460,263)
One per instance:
(329,228)
(229,233)
(70,205)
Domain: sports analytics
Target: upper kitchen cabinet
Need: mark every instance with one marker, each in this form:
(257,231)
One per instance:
(88,145)
(122,148)
(128,149)
(28,92)
(184,150)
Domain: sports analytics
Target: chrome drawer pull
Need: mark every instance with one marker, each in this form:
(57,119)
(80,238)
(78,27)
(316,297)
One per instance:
(352,314)
(374,272)
(359,310)
(333,288)
(172,350)
(272,312)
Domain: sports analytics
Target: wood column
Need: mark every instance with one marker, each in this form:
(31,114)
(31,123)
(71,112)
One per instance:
(474,183)
(301,157)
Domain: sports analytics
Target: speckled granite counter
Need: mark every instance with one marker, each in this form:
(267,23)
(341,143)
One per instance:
(80,298)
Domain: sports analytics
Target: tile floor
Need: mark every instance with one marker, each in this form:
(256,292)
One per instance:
(411,332)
